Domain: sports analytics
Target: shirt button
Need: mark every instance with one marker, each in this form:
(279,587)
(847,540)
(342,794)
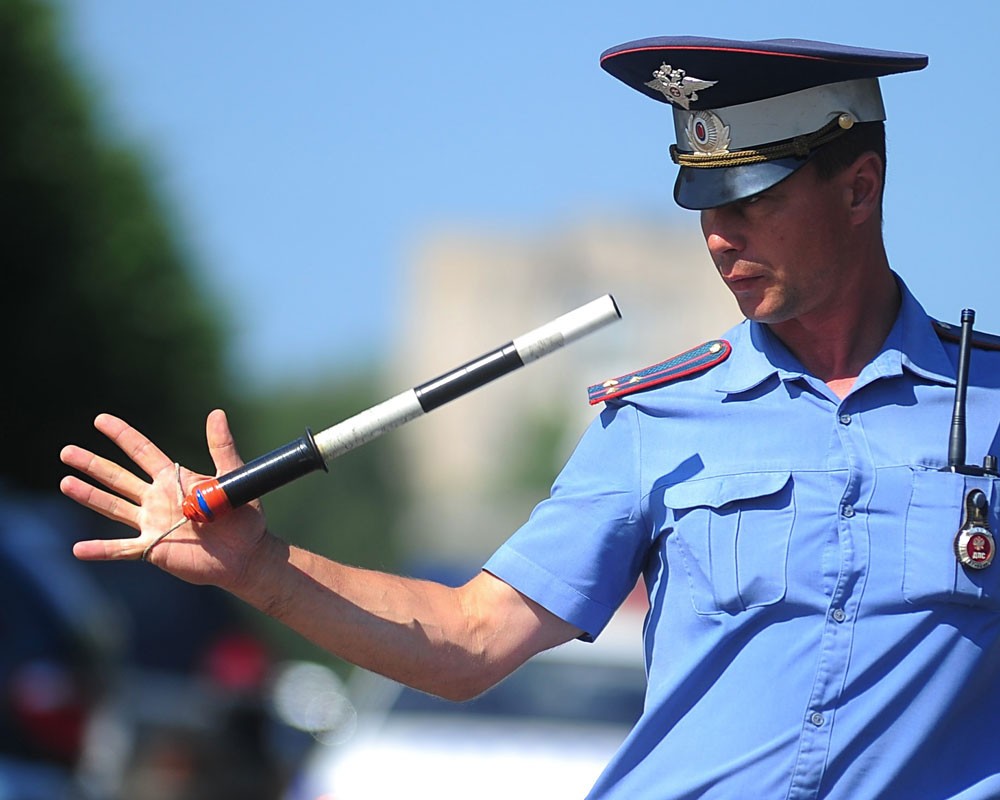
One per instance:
(816,719)
(844,419)
(847,510)
(839,614)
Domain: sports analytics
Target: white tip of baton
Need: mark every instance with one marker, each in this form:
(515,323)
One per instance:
(567,328)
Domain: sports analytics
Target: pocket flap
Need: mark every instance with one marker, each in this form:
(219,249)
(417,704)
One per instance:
(718,490)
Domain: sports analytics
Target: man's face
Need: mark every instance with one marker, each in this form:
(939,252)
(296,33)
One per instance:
(780,252)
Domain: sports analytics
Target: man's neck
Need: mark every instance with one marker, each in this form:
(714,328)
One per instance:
(836,344)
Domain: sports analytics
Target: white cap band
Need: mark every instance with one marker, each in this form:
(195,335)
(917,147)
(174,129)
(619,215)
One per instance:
(777,118)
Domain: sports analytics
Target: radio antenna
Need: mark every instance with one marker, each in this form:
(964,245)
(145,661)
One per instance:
(956,439)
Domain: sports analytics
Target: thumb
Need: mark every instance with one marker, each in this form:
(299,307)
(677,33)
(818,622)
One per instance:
(221,445)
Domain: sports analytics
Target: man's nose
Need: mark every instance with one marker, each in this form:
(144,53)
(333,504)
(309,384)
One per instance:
(723,231)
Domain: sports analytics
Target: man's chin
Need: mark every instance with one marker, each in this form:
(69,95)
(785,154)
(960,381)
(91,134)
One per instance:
(764,313)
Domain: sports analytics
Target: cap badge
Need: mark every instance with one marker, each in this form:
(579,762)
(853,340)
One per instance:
(707,133)
(676,86)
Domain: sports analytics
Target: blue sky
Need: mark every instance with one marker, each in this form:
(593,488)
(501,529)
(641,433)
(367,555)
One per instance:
(303,146)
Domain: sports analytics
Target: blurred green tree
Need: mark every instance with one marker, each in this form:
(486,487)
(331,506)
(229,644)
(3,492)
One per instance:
(100,308)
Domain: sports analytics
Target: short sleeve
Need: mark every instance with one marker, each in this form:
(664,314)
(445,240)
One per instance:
(582,549)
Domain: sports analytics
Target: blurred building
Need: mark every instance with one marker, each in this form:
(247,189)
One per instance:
(478,466)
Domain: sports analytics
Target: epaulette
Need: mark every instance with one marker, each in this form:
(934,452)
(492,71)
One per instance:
(690,362)
(953,333)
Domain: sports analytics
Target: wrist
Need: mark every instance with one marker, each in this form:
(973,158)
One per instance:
(259,582)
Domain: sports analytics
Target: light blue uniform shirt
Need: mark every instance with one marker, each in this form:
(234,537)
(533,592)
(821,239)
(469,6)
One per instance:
(811,631)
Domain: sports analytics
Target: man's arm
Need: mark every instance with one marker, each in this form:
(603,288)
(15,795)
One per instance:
(454,642)
(451,642)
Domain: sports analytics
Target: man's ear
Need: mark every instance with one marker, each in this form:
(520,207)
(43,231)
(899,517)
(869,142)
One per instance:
(864,184)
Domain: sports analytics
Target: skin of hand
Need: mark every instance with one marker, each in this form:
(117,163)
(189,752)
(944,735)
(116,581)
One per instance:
(200,554)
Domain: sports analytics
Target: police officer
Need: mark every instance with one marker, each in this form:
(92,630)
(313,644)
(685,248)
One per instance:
(823,622)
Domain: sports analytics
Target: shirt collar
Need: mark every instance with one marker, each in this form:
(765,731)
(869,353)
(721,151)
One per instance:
(757,355)
(918,348)
(911,344)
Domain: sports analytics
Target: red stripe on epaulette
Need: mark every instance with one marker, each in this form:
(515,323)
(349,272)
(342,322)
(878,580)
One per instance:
(690,362)
(953,333)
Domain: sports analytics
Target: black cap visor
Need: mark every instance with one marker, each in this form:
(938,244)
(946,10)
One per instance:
(700,188)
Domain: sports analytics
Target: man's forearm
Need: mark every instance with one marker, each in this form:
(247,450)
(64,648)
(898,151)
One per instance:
(447,641)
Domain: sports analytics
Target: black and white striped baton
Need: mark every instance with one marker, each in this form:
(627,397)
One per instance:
(210,499)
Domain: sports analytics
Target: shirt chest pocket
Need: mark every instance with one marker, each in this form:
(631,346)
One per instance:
(931,570)
(731,534)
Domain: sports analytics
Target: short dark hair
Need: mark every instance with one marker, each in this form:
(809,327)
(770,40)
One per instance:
(843,151)
(863,137)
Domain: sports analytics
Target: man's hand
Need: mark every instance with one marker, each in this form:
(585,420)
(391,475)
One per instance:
(216,553)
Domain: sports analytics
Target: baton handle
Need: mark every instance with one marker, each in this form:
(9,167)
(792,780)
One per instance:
(212,498)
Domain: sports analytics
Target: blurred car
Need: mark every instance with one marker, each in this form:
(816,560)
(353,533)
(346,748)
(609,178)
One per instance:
(191,714)
(547,731)
(58,659)
(203,734)
(118,682)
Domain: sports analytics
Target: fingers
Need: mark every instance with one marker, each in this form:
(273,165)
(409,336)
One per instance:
(135,445)
(104,503)
(127,486)
(221,445)
(109,550)
(150,508)
(105,472)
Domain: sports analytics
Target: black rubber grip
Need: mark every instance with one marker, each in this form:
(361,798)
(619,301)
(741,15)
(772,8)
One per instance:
(271,470)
